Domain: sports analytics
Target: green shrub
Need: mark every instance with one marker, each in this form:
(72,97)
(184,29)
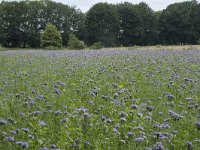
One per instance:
(51,37)
(158,46)
(51,48)
(97,45)
(198,42)
(2,48)
(75,43)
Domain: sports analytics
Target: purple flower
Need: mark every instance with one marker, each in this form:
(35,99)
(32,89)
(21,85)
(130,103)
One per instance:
(44,148)
(149,108)
(134,106)
(22,143)
(58,112)
(175,115)
(139,139)
(86,115)
(53,146)
(25,130)
(42,123)
(116,130)
(130,134)
(64,120)
(109,120)
(159,146)
(31,136)
(157,134)
(189,99)
(175,131)
(3,122)
(57,91)
(122,141)
(103,118)
(190,145)
(122,114)
(139,128)
(86,143)
(11,120)
(10,138)
(83,109)
(36,113)
(122,119)
(22,114)
(32,102)
(139,114)
(165,125)
(14,131)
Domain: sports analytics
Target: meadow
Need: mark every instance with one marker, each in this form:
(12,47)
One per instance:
(106,99)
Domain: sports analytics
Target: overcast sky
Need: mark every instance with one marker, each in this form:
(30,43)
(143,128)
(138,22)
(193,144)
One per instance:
(84,5)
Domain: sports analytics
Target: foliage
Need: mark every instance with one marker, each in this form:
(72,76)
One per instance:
(177,23)
(51,48)
(123,24)
(102,24)
(51,37)
(138,24)
(22,22)
(2,48)
(96,45)
(198,42)
(75,43)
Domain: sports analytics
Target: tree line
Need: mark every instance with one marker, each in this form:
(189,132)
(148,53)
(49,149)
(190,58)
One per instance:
(123,24)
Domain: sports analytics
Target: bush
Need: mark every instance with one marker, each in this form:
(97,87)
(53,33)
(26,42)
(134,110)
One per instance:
(198,42)
(51,37)
(51,48)
(75,43)
(2,48)
(96,46)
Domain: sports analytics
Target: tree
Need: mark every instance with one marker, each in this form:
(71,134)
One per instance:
(35,22)
(75,43)
(195,21)
(176,23)
(129,22)
(51,37)
(66,19)
(138,24)
(12,17)
(148,26)
(22,22)
(102,24)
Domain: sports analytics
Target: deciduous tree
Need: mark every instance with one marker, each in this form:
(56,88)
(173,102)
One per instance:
(51,37)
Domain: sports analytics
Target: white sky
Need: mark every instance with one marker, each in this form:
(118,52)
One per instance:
(84,5)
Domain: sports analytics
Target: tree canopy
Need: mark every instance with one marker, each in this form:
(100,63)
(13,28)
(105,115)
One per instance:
(179,23)
(51,37)
(123,24)
(22,22)
(102,24)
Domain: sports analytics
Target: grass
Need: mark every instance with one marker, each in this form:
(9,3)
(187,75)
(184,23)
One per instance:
(2,48)
(154,47)
(124,100)
(161,47)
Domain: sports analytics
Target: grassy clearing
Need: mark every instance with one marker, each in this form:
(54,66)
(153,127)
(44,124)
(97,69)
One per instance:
(161,47)
(100,100)
(155,47)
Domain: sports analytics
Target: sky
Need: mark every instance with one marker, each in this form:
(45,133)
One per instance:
(85,5)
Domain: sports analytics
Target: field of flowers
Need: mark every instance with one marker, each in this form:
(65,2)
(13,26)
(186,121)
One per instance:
(131,99)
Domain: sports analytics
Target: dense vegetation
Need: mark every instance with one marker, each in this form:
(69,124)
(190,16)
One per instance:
(123,24)
(51,37)
(100,100)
